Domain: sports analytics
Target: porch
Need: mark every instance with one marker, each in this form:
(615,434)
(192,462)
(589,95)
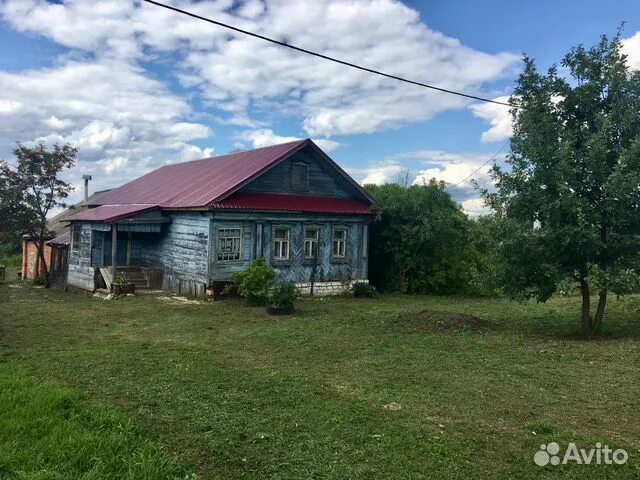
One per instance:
(130,249)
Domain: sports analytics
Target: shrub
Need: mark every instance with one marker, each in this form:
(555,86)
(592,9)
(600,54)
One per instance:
(256,282)
(364,290)
(284,294)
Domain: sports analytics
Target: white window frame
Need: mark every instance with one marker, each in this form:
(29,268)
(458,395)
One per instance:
(279,245)
(341,242)
(310,242)
(224,233)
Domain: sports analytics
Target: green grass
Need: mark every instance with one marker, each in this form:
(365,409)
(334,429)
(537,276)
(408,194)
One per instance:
(346,388)
(49,433)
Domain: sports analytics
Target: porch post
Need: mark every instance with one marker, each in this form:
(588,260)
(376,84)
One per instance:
(114,250)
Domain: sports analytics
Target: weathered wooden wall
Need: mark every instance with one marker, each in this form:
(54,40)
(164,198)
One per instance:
(258,241)
(181,250)
(323,179)
(81,272)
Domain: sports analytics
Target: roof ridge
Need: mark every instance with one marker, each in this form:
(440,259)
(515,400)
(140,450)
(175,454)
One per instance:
(217,157)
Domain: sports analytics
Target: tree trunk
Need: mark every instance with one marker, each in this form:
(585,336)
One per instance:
(45,267)
(586,307)
(591,325)
(602,302)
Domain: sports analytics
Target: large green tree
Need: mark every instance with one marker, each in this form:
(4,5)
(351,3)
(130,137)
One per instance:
(570,192)
(32,188)
(418,245)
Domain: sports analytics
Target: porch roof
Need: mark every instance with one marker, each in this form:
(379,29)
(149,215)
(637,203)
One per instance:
(111,213)
(62,239)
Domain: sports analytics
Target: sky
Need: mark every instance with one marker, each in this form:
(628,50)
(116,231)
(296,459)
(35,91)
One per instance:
(135,87)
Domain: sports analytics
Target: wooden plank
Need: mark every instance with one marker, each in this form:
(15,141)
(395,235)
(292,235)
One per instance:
(106,275)
(114,249)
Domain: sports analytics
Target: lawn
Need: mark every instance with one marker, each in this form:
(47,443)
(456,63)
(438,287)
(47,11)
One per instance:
(346,388)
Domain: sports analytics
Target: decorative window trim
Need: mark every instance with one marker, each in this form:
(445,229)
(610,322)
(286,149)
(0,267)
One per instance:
(299,186)
(229,234)
(277,244)
(341,254)
(310,241)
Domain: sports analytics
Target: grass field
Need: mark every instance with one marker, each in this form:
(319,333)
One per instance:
(346,388)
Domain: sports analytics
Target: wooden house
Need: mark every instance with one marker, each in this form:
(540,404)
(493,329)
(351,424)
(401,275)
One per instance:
(189,226)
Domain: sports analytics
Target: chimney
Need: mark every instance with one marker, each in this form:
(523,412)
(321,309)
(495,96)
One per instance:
(86,179)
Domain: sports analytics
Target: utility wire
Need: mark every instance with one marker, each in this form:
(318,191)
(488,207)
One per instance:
(326,57)
(480,167)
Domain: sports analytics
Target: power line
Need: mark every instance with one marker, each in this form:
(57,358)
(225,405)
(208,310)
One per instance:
(326,57)
(478,169)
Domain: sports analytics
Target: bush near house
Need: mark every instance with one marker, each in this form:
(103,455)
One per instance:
(256,282)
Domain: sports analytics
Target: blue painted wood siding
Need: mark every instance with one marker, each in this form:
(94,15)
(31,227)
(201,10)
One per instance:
(323,179)
(181,250)
(258,241)
(80,272)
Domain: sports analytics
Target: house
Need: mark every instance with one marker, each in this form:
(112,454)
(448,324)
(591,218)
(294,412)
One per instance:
(55,245)
(188,227)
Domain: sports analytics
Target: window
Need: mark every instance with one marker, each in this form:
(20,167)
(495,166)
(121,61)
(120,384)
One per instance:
(76,231)
(339,242)
(311,236)
(229,244)
(281,237)
(300,176)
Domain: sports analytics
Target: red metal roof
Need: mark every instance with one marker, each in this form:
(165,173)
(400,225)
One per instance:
(108,213)
(293,203)
(200,182)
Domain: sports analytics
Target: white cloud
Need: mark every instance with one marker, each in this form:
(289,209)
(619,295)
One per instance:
(631,47)
(497,116)
(124,122)
(113,164)
(424,165)
(244,77)
(265,137)
(474,207)
(378,173)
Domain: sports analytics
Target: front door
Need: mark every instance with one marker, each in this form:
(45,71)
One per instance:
(123,253)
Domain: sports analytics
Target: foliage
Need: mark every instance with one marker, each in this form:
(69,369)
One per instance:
(283,294)
(179,371)
(574,170)
(120,280)
(255,283)
(31,189)
(50,432)
(421,242)
(364,290)
(485,266)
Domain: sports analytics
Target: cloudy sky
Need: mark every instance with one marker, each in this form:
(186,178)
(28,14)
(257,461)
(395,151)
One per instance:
(135,86)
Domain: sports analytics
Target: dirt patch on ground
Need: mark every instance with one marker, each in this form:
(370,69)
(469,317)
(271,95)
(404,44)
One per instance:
(430,320)
(179,300)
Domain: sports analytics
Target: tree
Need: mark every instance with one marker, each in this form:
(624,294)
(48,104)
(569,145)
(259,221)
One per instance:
(32,188)
(570,194)
(419,243)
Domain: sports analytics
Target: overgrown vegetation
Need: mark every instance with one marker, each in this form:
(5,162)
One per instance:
(283,294)
(256,282)
(401,387)
(424,244)
(364,290)
(49,432)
